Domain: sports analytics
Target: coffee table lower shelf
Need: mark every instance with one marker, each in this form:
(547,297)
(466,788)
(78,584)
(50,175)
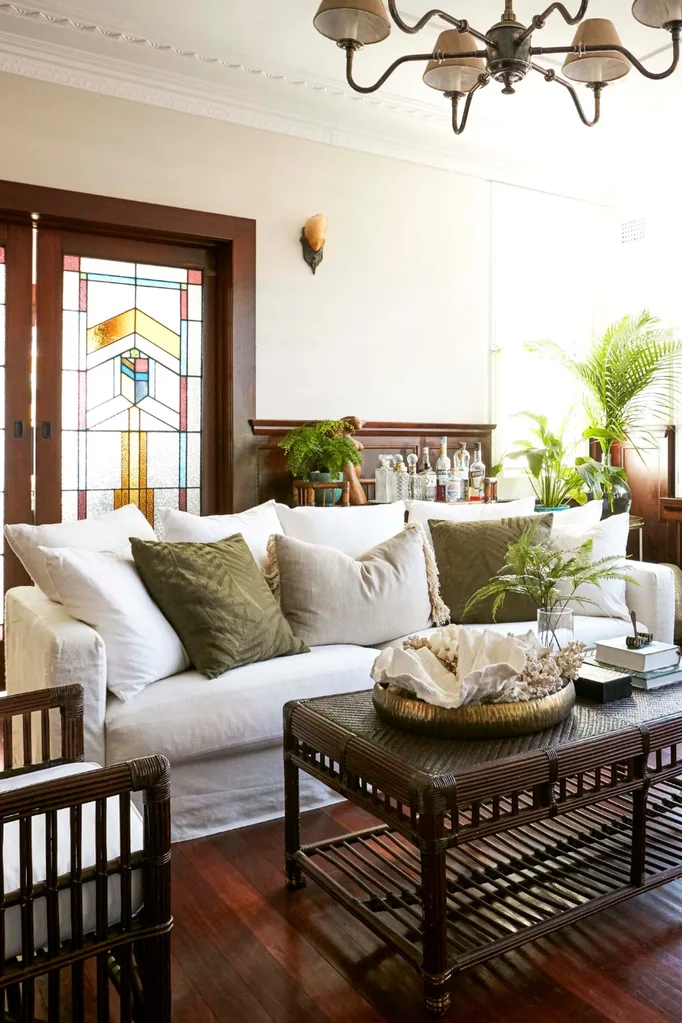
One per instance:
(501,890)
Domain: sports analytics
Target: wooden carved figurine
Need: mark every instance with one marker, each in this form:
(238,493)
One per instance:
(351,473)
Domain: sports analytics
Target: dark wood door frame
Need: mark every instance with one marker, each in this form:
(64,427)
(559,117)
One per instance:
(234,240)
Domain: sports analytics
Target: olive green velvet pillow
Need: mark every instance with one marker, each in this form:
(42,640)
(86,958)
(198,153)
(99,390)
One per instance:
(217,600)
(469,554)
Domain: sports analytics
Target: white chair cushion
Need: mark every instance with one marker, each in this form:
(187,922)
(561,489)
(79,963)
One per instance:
(351,530)
(587,630)
(189,716)
(256,525)
(12,875)
(104,590)
(109,532)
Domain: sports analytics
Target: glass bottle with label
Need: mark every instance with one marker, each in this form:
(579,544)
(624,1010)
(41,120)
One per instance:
(428,478)
(442,470)
(476,475)
(461,468)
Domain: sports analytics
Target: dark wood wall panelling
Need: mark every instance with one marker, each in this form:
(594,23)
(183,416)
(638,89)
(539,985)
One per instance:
(274,479)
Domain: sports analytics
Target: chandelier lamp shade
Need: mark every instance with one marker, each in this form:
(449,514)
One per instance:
(465,60)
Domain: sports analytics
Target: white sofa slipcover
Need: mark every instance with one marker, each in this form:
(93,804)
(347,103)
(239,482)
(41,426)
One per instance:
(223,736)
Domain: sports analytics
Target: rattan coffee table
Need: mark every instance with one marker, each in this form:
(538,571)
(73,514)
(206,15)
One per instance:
(481,846)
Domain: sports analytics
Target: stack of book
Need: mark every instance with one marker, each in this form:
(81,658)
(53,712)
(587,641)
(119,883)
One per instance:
(654,665)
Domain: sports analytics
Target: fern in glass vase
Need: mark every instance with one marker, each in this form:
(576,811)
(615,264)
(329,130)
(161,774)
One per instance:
(550,578)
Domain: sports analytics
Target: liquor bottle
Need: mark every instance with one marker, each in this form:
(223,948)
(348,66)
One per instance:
(381,479)
(428,478)
(442,470)
(461,466)
(413,479)
(400,480)
(476,475)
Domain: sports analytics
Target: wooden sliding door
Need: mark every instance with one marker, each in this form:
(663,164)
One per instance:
(126,402)
(16,454)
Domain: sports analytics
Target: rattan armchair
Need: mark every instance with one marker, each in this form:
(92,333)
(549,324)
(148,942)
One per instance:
(84,880)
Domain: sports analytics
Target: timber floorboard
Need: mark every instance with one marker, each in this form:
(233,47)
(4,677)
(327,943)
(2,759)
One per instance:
(247,951)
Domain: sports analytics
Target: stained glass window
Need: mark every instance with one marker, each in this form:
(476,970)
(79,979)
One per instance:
(131,387)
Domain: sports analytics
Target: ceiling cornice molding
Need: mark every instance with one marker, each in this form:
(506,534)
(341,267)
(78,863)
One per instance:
(120,79)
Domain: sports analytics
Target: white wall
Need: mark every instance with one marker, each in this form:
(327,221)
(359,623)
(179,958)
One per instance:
(397,323)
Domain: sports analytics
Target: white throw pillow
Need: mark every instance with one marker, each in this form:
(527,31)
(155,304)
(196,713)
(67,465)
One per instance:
(256,525)
(331,598)
(108,532)
(609,539)
(583,517)
(104,590)
(422,511)
(351,530)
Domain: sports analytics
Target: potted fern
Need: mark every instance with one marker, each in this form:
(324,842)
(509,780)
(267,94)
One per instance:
(551,579)
(318,451)
(630,379)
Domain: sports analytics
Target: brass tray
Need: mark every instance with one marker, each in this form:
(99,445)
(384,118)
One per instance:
(490,721)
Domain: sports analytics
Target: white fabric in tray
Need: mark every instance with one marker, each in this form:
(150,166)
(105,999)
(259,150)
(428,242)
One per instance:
(13,929)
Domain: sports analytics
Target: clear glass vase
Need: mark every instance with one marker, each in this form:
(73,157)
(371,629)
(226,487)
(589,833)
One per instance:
(555,629)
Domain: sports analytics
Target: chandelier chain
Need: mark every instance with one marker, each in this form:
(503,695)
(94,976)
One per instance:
(61,21)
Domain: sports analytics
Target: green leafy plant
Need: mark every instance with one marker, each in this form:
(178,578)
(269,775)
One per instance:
(320,447)
(553,479)
(599,477)
(549,577)
(629,376)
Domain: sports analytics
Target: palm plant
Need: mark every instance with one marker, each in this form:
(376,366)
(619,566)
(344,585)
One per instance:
(629,376)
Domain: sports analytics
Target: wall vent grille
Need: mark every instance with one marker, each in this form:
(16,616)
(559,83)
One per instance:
(632,231)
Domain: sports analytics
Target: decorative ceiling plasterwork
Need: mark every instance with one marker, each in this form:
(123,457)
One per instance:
(427,143)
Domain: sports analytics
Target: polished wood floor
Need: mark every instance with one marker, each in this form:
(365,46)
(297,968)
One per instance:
(247,951)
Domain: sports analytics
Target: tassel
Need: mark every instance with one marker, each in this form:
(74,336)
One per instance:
(440,612)
(271,572)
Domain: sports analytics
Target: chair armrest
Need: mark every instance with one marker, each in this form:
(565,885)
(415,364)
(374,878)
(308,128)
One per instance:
(653,599)
(68,700)
(45,648)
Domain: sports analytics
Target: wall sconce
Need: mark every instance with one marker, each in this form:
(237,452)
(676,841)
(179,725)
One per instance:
(313,237)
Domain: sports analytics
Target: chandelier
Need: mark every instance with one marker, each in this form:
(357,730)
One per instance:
(459,69)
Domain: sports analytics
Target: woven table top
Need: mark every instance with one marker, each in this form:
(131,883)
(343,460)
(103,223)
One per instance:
(355,714)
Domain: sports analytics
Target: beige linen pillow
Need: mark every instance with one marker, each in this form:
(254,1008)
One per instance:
(328,597)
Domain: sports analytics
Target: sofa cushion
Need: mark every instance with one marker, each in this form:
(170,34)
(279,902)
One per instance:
(351,530)
(609,540)
(329,597)
(109,532)
(11,861)
(256,526)
(475,511)
(587,630)
(216,599)
(469,554)
(188,716)
(104,590)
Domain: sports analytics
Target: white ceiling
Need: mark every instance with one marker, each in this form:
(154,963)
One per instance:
(538,127)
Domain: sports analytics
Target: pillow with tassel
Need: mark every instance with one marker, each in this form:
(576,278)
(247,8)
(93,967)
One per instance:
(328,597)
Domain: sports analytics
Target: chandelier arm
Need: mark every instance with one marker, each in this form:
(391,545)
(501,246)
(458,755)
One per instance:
(459,126)
(552,76)
(350,49)
(540,19)
(657,76)
(461,26)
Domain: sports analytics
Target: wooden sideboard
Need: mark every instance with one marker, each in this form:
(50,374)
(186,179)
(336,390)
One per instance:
(274,479)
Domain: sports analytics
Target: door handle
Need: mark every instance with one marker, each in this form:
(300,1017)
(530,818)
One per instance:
(46,429)
(18,427)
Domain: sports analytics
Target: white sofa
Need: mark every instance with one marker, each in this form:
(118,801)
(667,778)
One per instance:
(223,737)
